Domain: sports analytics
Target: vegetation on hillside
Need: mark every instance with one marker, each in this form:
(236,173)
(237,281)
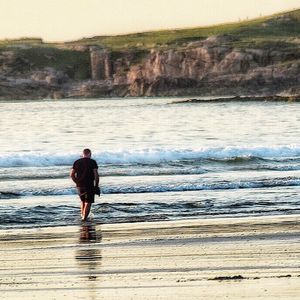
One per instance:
(275,27)
(278,32)
(278,27)
(76,64)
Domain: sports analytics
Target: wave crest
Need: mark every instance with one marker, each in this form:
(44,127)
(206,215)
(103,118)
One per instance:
(161,188)
(153,156)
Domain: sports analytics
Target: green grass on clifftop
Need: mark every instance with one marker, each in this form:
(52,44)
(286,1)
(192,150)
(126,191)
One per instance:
(279,26)
(276,27)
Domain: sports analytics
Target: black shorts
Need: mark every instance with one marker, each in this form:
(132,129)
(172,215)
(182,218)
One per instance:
(86,194)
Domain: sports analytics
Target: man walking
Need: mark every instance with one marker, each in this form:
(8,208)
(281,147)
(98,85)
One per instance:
(85,174)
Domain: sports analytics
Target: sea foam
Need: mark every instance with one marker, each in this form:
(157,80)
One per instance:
(161,188)
(150,156)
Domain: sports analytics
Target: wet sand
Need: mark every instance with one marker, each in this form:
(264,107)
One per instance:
(241,258)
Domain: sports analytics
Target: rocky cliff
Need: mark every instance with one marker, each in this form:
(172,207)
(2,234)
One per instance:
(215,65)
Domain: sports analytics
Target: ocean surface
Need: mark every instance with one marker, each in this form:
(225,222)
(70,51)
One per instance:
(158,160)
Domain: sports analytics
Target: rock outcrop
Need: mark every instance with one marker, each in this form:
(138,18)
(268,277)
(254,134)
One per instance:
(101,64)
(214,66)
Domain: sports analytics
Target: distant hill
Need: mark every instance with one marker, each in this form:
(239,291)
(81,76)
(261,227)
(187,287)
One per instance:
(276,27)
(253,56)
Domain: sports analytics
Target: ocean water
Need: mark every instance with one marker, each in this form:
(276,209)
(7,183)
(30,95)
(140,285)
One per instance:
(158,160)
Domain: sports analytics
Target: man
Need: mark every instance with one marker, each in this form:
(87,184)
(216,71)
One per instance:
(85,174)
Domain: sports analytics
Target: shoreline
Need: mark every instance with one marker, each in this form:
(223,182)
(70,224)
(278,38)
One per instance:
(194,259)
(181,223)
(192,98)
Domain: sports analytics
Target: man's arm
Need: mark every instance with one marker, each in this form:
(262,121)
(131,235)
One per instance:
(73,175)
(96,176)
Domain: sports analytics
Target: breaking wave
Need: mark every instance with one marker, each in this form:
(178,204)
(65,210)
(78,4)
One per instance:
(161,188)
(153,156)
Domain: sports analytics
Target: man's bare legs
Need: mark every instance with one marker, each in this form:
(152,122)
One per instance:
(85,209)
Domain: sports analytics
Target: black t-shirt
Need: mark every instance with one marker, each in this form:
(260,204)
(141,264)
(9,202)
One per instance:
(84,169)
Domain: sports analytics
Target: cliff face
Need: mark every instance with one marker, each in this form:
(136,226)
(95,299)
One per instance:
(209,67)
(101,64)
(214,67)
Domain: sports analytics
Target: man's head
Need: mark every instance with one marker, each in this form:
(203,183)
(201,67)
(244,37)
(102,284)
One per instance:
(86,153)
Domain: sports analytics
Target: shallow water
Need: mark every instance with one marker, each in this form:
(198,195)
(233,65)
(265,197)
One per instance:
(158,160)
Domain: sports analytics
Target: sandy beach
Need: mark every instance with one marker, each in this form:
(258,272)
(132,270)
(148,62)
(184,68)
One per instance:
(241,258)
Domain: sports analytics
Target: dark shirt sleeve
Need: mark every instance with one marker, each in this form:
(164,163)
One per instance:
(95,166)
(75,165)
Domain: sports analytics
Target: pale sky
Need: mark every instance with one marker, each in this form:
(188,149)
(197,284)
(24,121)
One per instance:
(62,20)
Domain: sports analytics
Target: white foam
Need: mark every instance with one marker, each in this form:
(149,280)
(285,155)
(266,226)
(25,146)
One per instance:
(167,187)
(149,156)
(36,159)
(184,187)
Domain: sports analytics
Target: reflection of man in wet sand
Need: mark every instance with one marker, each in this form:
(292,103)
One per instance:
(90,234)
(88,255)
(85,174)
